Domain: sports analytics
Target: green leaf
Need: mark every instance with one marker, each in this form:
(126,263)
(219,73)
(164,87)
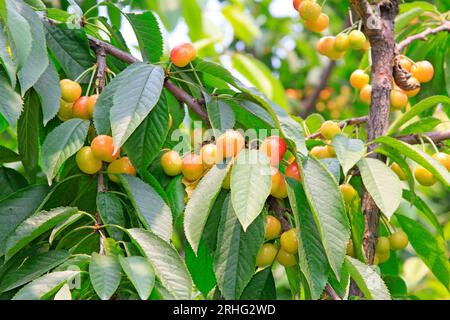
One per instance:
(34,226)
(312,258)
(421,125)
(49,90)
(220,114)
(148,34)
(423,209)
(260,287)
(60,144)
(17,207)
(314,121)
(200,265)
(33,267)
(167,263)
(396,285)
(235,257)
(8,156)
(175,196)
(37,61)
(423,159)
(10,101)
(104,272)
(70,47)
(145,143)
(201,202)
(141,274)
(348,151)
(243,25)
(430,249)
(11,181)
(63,293)
(105,100)
(28,135)
(332,165)
(192,14)
(382,183)
(214,69)
(111,212)
(328,210)
(403,19)
(367,279)
(417,109)
(5,58)
(45,286)
(251,182)
(151,209)
(133,100)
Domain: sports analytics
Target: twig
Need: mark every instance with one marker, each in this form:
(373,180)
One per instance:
(445,26)
(435,136)
(346,122)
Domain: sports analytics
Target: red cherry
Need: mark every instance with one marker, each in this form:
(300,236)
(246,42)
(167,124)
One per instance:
(274,147)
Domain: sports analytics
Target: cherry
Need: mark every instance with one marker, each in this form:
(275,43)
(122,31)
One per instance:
(65,110)
(398,171)
(80,108)
(70,90)
(120,166)
(266,255)
(422,71)
(399,99)
(366,93)
(443,158)
(309,10)
(92,100)
(276,181)
(103,148)
(288,241)
(318,25)
(342,42)
(229,144)
(273,227)
(325,45)
(359,79)
(424,177)
(296,3)
(331,151)
(348,192)
(274,147)
(286,259)
(281,191)
(320,152)
(357,39)
(382,257)
(383,245)
(171,163)
(329,129)
(208,153)
(192,167)
(293,171)
(406,64)
(414,92)
(398,240)
(87,162)
(183,54)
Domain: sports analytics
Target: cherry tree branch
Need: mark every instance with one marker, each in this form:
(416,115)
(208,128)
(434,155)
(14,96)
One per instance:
(445,26)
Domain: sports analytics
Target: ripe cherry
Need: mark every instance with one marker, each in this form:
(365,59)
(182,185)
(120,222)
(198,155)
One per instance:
(320,152)
(422,71)
(293,171)
(276,181)
(424,177)
(192,167)
(329,129)
(319,24)
(357,39)
(406,64)
(80,108)
(281,191)
(383,245)
(398,171)
(209,155)
(103,148)
(286,259)
(382,257)
(87,161)
(288,241)
(120,166)
(443,158)
(296,3)
(183,54)
(414,92)
(325,45)
(229,144)
(342,42)
(398,240)
(366,93)
(65,110)
(266,255)
(92,100)
(171,163)
(399,99)
(273,227)
(331,151)
(309,10)
(70,90)
(275,148)
(359,79)
(348,192)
